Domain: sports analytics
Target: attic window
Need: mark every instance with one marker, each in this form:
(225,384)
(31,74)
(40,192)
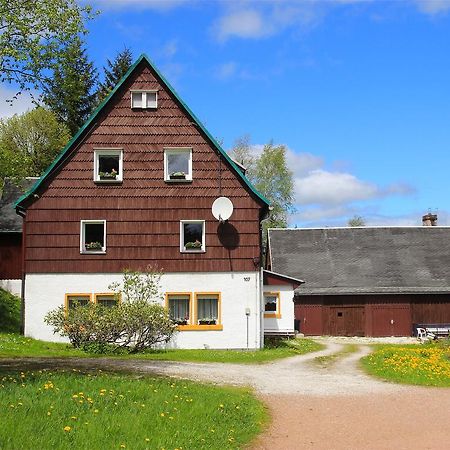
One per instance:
(178,164)
(108,165)
(192,236)
(93,236)
(144,99)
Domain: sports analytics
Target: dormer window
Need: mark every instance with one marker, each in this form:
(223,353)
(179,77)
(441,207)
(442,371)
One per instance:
(108,165)
(178,164)
(144,99)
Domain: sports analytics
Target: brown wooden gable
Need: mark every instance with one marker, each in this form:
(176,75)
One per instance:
(143,213)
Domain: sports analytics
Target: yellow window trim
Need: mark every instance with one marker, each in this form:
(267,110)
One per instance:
(219,311)
(111,294)
(168,294)
(273,314)
(200,327)
(66,299)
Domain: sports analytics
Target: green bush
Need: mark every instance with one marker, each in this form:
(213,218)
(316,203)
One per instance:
(137,323)
(9,312)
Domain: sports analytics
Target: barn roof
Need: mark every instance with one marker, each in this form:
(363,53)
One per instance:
(9,220)
(364,260)
(22,202)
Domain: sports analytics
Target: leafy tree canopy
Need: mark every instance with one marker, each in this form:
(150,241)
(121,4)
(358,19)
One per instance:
(271,176)
(33,36)
(356,221)
(113,72)
(30,142)
(70,93)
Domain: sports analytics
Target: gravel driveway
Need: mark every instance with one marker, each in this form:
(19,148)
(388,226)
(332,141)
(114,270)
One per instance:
(336,407)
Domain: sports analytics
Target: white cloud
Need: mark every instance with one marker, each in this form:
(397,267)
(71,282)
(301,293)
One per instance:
(243,23)
(332,188)
(433,7)
(226,70)
(18,106)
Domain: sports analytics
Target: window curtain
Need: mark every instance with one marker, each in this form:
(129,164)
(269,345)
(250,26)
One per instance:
(179,308)
(207,308)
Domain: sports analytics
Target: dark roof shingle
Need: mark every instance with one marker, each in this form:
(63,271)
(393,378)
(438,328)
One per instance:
(364,260)
(9,220)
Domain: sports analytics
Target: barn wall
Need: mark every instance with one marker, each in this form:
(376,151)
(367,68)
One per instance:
(142,213)
(10,256)
(370,315)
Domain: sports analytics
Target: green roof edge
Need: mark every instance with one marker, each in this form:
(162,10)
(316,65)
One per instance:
(103,104)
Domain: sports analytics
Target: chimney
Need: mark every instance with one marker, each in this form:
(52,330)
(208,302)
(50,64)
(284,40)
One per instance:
(429,220)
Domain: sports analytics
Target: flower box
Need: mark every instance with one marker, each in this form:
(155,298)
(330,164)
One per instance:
(207,322)
(177,176)
(197,245)
(93,246)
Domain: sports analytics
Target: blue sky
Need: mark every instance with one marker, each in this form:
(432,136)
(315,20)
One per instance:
(359,91)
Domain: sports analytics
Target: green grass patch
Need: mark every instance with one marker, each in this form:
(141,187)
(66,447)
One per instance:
(9,312)
(13,345)
(328,360)
(421,364)
(75,410)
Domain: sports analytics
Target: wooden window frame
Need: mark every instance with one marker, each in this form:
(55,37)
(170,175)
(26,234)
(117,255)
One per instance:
(117,297)
(108,152)
(144,93)
(276,314)
(218,326)
(66,299)
(192,250)
(189,325)
(177,150)
(83,250)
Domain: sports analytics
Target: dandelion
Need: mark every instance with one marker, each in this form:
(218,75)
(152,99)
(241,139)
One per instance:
(95,411)
(147,440)
(49,413)
(162,414)
(122,446)
(67,428)
(73,418)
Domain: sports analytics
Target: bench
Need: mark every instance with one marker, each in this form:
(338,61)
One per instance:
(439,330)
(280,333)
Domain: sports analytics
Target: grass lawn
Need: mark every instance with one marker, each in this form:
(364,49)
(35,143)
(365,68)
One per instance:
(421,364)
(75,410)
(14,345)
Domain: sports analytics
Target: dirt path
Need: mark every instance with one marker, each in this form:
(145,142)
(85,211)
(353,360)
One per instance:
(335,406)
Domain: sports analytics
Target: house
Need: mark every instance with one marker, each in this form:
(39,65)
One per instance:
(368,281)
(135,187)
(11,236)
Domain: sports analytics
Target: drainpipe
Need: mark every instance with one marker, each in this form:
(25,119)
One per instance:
(21,212)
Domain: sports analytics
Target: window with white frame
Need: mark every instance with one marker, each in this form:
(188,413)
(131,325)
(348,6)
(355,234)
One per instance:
(178,164)
(179,306)
(208,308)
(108,165)
(192,236)
(271,304)
(144,99)
(93,236)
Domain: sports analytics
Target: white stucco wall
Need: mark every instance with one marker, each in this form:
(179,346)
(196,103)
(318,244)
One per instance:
(286,322)
(13,286)
(239,291)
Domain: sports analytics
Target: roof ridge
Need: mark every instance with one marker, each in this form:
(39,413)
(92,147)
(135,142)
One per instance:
(100,107)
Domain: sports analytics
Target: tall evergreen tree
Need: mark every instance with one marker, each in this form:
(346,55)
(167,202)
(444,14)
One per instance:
(70,94)
(114,71)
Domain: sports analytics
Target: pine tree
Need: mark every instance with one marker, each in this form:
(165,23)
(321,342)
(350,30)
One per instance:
(114,71)
(70,93)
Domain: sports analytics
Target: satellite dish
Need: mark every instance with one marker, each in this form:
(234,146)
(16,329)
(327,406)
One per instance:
(222,209)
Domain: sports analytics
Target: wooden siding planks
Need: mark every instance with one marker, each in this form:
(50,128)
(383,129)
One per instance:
(143,212)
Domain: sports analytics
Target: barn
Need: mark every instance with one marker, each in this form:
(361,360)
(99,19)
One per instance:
(367,281)
(11,235)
